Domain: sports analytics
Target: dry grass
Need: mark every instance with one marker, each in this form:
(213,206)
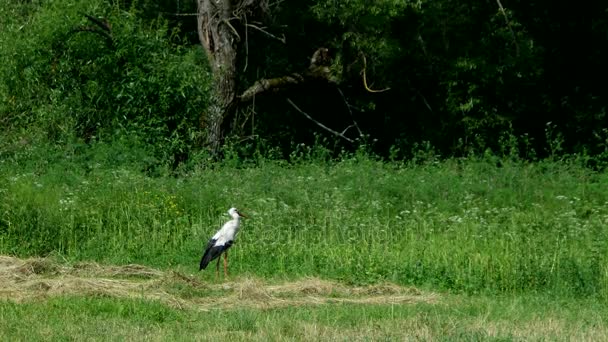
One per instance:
(27,280)
(22,280)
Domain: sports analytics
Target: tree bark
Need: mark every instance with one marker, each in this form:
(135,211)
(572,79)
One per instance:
(219,38)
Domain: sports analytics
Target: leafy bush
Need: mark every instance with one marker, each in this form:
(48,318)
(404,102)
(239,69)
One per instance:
(65,78)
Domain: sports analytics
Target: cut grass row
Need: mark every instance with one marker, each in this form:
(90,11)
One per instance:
(464,225)
(45,300)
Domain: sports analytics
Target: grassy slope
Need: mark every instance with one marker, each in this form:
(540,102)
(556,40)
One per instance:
(459,225)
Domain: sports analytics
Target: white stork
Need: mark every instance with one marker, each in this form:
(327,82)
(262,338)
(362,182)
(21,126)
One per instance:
(221,241)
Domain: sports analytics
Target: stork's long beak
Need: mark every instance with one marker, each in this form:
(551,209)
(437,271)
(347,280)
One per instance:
(241,215)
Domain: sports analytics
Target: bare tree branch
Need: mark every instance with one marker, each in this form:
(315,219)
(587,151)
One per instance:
(422,97)
(236,33)
(504,13)
(422,44)
(347,128)
(246,44)
(338,134)
(267,84)
(426,103)
(181,14)
(365,79)
(318,70)
(282,40)
(349,112)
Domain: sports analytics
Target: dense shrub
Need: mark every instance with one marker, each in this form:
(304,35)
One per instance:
(66,78)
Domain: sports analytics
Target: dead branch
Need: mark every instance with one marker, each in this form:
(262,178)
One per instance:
(238,38)
(338,134)
(318,70)
(365,79)
(422,45)
(504,13)
(282,40)
(276,3)
(347,128)
(246,44)
(349,112)
(248,137)
(263,85)
(180,14)
(426,103)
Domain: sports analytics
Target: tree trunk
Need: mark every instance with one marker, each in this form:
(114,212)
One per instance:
(218,21)
(219,38)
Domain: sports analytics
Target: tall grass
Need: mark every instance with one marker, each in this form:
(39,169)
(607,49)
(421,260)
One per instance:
(465,225)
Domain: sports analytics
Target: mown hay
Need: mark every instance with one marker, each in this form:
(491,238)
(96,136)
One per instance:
(27,279)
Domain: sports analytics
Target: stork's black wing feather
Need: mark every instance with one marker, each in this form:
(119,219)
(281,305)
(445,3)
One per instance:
(212,252)
(207,256)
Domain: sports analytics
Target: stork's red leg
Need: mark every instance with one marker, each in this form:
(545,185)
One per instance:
(217,268)
(226,264)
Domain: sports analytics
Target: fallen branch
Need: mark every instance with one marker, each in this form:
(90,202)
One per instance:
(338,134)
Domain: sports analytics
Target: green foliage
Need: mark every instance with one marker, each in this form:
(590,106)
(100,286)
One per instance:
(458,75)
(461,73)
(68,80)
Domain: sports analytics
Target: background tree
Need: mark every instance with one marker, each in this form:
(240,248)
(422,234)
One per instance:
(458,76)
(220,38)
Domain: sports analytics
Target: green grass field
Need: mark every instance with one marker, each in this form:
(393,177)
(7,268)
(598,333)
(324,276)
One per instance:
(510,251)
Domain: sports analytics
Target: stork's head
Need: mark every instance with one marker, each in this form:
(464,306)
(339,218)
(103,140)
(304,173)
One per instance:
(235,213)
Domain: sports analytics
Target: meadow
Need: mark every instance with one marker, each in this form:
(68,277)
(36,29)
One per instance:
(518,245)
